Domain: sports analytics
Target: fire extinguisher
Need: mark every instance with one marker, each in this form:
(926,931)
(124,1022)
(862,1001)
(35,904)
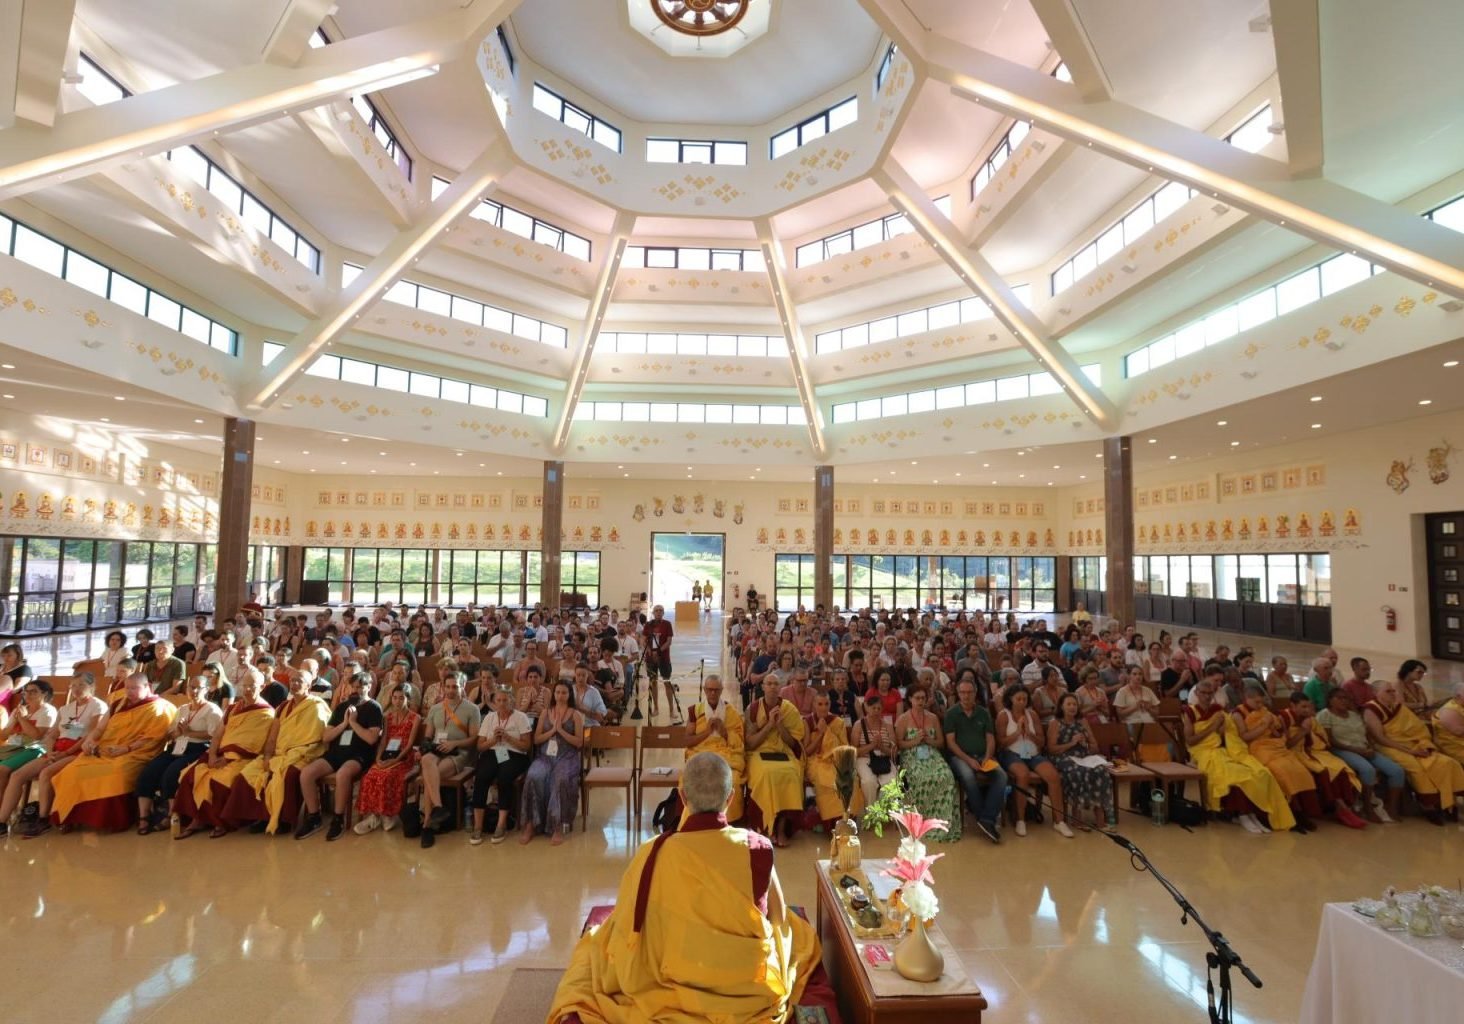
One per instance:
(736,591)
(1390,619)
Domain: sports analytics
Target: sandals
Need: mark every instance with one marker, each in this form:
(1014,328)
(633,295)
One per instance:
(145,828)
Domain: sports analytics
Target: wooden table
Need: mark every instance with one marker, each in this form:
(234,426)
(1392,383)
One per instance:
(869,996)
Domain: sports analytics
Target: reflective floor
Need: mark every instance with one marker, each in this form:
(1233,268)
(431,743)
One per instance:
(374,928)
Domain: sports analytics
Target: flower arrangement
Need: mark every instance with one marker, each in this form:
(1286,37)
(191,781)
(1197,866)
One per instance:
(911,865)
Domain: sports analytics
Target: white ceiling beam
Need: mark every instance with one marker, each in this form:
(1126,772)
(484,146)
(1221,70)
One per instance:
(590,331)
(1314,207)
(1296,31)
(1071,41)
(792,330)
(290,38)
(34,59)
(163,118)
(380,274)
(898,22)
(978,275)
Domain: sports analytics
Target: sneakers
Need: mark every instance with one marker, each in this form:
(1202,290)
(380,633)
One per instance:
(1021,828)
(1061,828)
(476,839)
(370,823)
(337,826)
(1250,824)
(308,826)
(387,824)
(429,839)
(499,836)
(39,827)
(1380,813)
(988,829)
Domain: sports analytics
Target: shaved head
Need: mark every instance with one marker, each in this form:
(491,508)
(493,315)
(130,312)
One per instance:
(706,783)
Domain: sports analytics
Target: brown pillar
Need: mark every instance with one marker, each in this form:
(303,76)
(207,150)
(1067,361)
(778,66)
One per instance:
(294,573)
(553,522)
(234,498)
(1118,527)
(1062,598)
(823,536)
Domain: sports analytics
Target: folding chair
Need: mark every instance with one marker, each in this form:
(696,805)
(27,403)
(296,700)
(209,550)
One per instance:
(1113,738)
(1172,772)
(660,776)
(599,738)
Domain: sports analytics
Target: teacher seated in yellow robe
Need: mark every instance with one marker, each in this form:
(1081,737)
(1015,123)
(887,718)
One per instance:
(828,733)
(203,788)
(715,726)
(267,791)
(97,788)
(699,931)
(775,735)
(1436,779)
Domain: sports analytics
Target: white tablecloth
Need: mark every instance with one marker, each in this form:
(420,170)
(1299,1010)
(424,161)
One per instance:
(1365,975)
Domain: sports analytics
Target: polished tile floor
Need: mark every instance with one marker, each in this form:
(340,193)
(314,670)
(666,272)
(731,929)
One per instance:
(377,929)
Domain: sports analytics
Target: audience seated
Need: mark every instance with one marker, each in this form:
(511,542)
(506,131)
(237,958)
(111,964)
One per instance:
(715,726)
(1235,781)
(1337,785)
(552,783)
(1348,738)
(827,732)
(351,738)
(929,784)
(1437,780)
(187,739)
(775,734)
(970,749)
(1069,739)
(873,739)
(1449,725)
(1266,736)
(451,738)
(266,795)
(503,757)
(203,787)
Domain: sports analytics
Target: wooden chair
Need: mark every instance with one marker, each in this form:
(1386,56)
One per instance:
(606,737)
(97,667)
(1172,772)
(427,669)
(60,688)
(661,776)
(1113,737)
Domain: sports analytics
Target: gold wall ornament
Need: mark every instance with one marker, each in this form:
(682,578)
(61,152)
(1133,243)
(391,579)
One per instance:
(1438,462)
(1397,477)
(700,17)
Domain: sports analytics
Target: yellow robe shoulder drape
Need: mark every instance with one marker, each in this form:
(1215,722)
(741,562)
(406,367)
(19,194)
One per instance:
(93,777)
(1446,741)
(1228,764)
(730,748)
(705,952)
(777,785)
(821,774)
(1431,775)
(244,735)
(1317,754)
(1280,760)
(297,743)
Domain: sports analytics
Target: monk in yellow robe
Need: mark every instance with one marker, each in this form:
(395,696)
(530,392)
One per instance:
(775,734)
(716,726)
(203,788)
(1338,786)
(97,788)
(829,732)
(1266,735)
(1436,779)
(1449,725)
(267,790)
(1235,781)
(699,931)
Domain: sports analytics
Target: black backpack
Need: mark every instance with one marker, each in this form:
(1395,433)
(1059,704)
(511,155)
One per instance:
(667,815)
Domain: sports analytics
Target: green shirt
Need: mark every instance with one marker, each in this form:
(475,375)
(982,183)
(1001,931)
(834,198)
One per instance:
(1317,691)
(971,730)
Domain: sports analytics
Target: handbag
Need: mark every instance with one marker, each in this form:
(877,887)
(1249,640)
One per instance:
(411,816)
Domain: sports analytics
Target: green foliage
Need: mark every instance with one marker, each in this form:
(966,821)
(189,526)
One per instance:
(890,802)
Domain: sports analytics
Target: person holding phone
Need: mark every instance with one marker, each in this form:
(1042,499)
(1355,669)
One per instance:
(384,786)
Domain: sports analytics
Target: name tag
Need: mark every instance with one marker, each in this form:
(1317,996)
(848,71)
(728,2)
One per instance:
(922,752)
(394,745)
(73,730)
(347,736)
(552,747)
(180,745)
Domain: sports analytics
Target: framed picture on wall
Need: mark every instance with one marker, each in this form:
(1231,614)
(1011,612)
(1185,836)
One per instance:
(85,463)
(1248,484)
(1143,499)
(855,506)
(988,508)
(1291,478)
(9,451)
(1020,508)
(947,508)
(897,507)
(35,455)
(1039,508)
(1202,490)
(476,501)
(1316,476)
(1186,492)
(62,458)
(1269,481)
(1003,508)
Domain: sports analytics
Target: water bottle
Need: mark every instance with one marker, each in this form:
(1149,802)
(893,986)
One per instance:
(1156,805)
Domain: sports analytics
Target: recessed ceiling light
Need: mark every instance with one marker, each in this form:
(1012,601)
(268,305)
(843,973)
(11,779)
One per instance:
(304,453)
(500,472)
(106,420)
(373,471)
(1452,363)
(1153,440)
(1056,467)
(437,472)
(198,421)
(1173,457)
(7,366)
(1082,476)
(1021,476)
(276,462)
(914,462)
(7,396)
(118,398)
(1051,484)
(985,465)
(958,474)
(1222,423)
(482,465)
(342,463)
(411,463)
(1425,401)
(1316,398)
(1098,455)
(345,440)
(1235,444)
(619,467)
(312,469)
(381,453)
(1316,426)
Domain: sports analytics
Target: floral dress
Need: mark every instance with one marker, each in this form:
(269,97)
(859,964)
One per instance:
(1082,787)
(931,787)
(384,785)
(552,786)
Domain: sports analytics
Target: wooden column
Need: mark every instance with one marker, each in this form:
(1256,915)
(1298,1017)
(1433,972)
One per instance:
(1062,597)
(1118,527)
(294,573)
(234,498)
(553,522)
(823,536)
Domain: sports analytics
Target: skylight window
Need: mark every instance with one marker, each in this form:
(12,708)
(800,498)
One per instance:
(691,258)
(983,392)
(547,101)
(885,66)
(524,225)
(688,151)
(384,135)
(96,85)
(815,127)
(413,382)
(745,345)
(917,321)
(458,307)
(869,233)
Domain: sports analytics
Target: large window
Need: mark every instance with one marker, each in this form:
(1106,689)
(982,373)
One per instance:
(671,257)
(975,583)
(887,62)
(869,233)
(50,256)
(579,573)
(1300,289)
(1000,154)
(427,385)
(915,321)
(49,584)
(691,412)
(758,346)
(692,151)
(1090,572)
(815,127)
(450,577)
(378,127)
(1285,579)
(546,101)
(470,311)
(223,186)
(524,225)
(1002,389)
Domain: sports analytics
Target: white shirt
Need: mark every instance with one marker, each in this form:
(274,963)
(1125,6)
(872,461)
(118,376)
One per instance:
(517,726)
(43,719)
(73,723)
(112,659)
(1032,672)
(228,658)
(191,719)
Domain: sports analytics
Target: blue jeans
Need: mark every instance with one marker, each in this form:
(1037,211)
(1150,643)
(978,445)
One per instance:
(985,805)
(1369,768)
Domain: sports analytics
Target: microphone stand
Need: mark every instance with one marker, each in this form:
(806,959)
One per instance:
(1222,957)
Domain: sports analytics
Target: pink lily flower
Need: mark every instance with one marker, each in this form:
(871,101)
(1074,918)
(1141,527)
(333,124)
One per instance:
(916,825)
(912,871)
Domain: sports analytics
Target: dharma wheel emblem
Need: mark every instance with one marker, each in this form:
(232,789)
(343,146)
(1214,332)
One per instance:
(700,17)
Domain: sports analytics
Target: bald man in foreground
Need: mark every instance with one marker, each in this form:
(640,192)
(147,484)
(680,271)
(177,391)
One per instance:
(699,930)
